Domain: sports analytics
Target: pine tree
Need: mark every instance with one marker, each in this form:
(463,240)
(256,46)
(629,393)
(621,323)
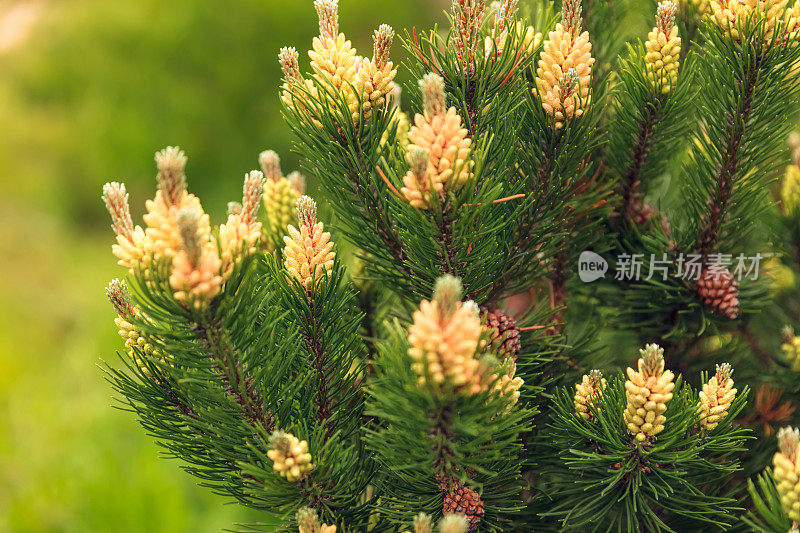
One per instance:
(456,374)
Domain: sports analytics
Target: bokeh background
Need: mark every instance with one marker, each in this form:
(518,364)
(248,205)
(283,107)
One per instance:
(89,90)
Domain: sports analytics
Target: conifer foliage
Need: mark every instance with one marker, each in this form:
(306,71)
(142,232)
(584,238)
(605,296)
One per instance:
(443,377)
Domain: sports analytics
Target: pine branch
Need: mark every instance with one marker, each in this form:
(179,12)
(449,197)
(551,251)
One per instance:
(239,383)
(641,148)
(737,127)
(310,334)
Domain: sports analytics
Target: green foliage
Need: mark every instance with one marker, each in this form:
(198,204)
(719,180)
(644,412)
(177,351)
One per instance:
(88,89)
(767,515)
(460,438)
(609,482)
(390,430)
(746,88)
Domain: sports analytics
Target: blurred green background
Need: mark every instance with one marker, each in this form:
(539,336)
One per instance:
(89,90)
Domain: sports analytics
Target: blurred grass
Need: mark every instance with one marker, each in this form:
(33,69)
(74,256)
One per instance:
(87,94)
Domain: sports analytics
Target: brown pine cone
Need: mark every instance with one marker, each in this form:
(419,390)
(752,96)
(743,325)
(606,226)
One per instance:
(505,337)
(464,500)
(719,291)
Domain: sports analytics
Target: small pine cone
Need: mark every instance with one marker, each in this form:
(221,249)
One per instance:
(374,78)
(280,203)
(130,246)
(444,338)
(716,397)
(308,251)
(509,383)
(663,49)
(588,392)
(719,290)
(195,275)
(786,470)
(791,348)
(647,392)
(504,333)
(565,52)
(640,212)
(438,132)
(289,455)
(333,58)
(463,500)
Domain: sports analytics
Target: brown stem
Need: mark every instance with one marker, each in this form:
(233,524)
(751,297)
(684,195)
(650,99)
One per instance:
(174,400)
(442,435)
(472,110)
(238,382)
(323,400)
(447,256)
(644,142)
(720,198)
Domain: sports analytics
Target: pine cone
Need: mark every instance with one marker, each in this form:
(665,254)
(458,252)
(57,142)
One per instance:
(308,249)
(464,500)
(439,135)
(504,333)
(663,49)
(641,213)
(647,392)
(786,467)
(716,397)
(587,392)
(566,50)
(719,291)
(289,455)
